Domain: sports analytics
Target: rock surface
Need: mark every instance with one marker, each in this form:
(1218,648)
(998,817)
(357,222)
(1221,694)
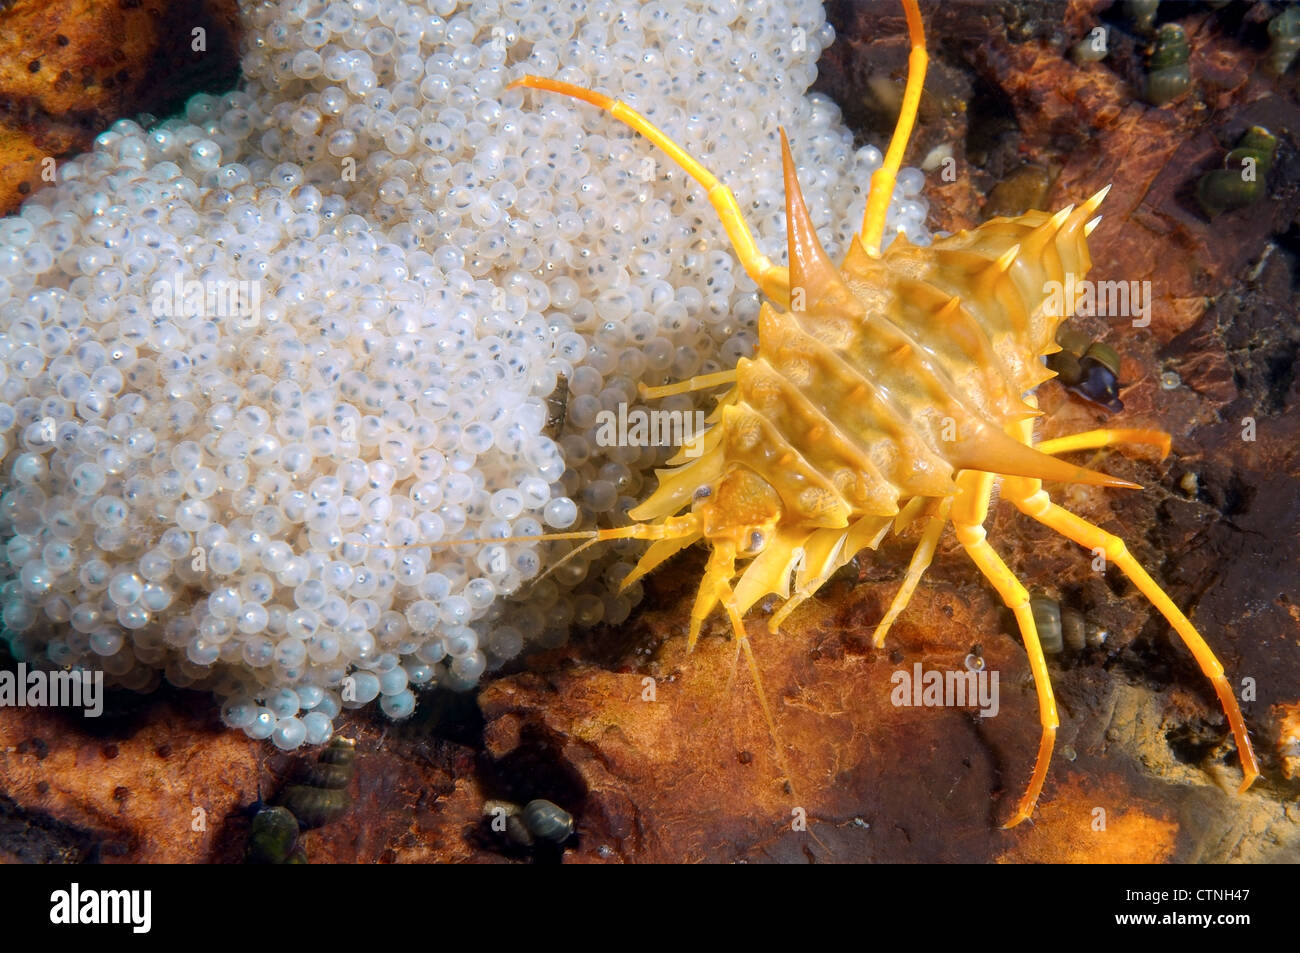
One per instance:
(69,68)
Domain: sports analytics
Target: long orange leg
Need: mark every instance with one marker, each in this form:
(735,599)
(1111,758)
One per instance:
(968,513)
(1032,500)
(937,519)
(773,279)
(1096,439)
(882,180)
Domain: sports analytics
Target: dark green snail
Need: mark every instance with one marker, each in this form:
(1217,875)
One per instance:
(1020,190)
(1143,14)
(1243,179)
(538,820)
(273,837)
(1168,75)
(1047,617)
(548,821)
(318,795)
(1089,369)
(321,793)
(1284,39)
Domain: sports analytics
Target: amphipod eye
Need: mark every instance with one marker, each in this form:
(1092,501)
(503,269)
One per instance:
(756,542)
(703,493)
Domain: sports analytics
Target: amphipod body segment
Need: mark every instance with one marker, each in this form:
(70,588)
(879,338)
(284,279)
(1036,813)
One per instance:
(895,388)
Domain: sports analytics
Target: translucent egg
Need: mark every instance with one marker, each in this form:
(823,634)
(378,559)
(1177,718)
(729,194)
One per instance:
(364,689)
(238,712)
(289,733)
(469,667)
(105,642)
(560,513)
(910,182)
(283,703)
(505,642)
(399,705)
(252,619)
(318,727)
(393,681)
(125,588)
(258,651)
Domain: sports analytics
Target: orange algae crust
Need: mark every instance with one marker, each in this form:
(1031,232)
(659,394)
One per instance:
(70,68)
(1073,828)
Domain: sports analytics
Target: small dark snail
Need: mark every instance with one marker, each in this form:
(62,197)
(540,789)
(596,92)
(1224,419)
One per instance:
(1142,13)
(1168,75)
(1073,630)
(1061,628)
(1243,180)
(273,838)
(1047,618)
(548,821)
(1089,369)
(1284,39)
(321,793)
(537,820)
(1022,189)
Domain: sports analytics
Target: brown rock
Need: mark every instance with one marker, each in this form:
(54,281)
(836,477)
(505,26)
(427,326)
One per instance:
(69,68)
(72,796)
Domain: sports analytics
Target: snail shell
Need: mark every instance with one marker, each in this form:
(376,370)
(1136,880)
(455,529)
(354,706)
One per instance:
(1284,39)
(321,795)
(548,821)
(1142,13)
(1168,75)
(1241,182)
(273,838)
(1047,618)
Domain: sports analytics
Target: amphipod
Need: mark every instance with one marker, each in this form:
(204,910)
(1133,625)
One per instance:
(894,388)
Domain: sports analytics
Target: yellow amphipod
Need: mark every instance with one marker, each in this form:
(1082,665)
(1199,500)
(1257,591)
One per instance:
(896,387)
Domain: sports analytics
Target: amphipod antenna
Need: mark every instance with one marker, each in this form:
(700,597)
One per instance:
(882,180)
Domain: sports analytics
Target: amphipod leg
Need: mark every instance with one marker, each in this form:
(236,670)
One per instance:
(824,553)
(670,529)
(702,382)
(968,513)
(1096,439)
(882,180)
(742,644)
(716,587)
(1032,500)
(717,575)
(937,519)
(773,279)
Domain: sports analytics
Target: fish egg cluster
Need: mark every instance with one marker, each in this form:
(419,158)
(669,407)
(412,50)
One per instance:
(257,359)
